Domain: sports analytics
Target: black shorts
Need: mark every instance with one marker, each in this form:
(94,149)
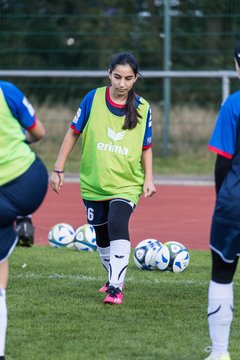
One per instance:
(97,211)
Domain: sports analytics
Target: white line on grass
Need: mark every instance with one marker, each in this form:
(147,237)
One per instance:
(176,281)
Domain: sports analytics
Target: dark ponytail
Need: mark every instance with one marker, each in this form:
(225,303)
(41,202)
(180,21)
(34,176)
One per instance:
(131,113)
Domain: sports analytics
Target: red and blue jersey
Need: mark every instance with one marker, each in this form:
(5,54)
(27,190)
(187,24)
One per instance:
(18,104)
(224,137)
(82,115)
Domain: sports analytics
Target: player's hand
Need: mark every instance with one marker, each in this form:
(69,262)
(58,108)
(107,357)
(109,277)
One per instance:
(56,181)
(149,188)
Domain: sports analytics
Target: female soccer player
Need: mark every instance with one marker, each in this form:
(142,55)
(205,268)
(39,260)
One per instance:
(116,164)
(225,230)
(23,178)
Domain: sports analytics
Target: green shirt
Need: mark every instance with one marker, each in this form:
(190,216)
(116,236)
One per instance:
(15,155)
(111,157)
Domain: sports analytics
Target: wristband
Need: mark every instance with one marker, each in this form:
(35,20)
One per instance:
(58,171)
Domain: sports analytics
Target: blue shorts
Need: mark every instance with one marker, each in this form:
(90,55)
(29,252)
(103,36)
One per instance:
(225,230)
(21,196)
(225,240)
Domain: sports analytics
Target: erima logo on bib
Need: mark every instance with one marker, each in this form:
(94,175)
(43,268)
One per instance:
(115,136)
(112,148)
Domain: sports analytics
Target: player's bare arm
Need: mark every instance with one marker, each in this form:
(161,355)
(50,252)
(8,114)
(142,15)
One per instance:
(148,186)
(57,177)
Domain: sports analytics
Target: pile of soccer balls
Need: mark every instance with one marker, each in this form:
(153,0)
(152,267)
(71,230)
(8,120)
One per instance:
(151,254)
(64,235)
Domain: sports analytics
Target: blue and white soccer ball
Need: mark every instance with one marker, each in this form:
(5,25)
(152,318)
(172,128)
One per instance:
(144,254)
(85,238)
(162,257)
(179,256)
(61,235)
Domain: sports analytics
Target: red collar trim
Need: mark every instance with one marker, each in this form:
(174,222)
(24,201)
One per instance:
(110,100)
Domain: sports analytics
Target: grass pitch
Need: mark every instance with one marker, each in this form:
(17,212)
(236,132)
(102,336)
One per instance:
(56,312)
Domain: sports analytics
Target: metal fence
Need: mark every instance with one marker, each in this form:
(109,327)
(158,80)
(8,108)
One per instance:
(223,75)
(167,125)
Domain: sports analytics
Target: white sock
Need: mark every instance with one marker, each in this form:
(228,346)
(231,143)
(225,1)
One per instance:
(3,321)
(119,259)
(220,315)
(104,254)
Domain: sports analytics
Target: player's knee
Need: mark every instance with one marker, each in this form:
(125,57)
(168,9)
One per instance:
(222,272)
